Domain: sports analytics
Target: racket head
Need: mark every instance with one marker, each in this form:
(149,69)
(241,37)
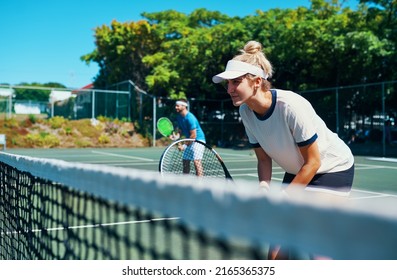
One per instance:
(165,126)
(192,157)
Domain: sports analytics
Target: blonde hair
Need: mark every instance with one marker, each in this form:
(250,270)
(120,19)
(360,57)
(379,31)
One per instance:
(253,54)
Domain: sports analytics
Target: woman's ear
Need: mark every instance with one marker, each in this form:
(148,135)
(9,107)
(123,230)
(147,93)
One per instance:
(258,82)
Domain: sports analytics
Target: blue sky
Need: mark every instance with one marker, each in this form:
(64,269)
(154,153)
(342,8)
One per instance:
(42,41)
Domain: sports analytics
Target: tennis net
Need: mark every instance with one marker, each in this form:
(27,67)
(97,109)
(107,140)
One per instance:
(51,209)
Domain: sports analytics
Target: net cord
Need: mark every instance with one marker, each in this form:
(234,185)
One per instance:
(310,225)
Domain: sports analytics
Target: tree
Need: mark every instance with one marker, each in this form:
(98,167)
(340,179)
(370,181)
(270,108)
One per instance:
(119,52)
(192,43)
(174,54)
(36,91)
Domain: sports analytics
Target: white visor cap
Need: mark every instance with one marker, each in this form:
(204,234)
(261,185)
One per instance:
(235,69)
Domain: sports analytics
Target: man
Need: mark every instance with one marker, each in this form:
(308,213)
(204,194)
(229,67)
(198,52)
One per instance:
(189,127)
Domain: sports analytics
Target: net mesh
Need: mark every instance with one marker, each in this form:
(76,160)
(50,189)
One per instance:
(43,219)
(51,209)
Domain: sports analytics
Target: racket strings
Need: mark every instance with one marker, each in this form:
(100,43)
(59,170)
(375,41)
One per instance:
(198,160)
(165,126)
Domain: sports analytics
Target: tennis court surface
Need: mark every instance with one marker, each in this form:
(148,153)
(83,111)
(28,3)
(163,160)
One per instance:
(113,204)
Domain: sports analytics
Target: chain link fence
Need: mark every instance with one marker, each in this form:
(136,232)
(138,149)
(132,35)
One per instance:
(364,116)
(69,103)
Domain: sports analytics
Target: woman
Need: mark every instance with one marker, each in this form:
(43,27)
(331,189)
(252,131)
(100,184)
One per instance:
(283,126)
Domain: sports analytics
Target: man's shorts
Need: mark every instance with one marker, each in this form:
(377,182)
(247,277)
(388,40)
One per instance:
(195,151)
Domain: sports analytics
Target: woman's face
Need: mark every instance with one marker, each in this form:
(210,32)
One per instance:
(240,90)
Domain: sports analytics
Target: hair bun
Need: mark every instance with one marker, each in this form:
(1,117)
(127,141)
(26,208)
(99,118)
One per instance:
(252,47)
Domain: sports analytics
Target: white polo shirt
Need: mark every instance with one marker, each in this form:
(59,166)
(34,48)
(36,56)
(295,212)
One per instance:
(292,122)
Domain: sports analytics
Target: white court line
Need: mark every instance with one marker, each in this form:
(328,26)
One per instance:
(375,166)
(372,194)
(122,156)
(254,169)
(134,163)
(239,160)
(382,159)
(237,155)
(256,175)
(367,167)
(367,197)
(92,226)
(242,169)
(245,175)
(119,163)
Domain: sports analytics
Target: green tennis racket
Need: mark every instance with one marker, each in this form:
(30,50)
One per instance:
(165,126)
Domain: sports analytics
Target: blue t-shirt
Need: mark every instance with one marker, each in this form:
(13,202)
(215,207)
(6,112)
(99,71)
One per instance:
(188,123)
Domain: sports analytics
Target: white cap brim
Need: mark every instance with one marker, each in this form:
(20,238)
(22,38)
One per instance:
(235,69)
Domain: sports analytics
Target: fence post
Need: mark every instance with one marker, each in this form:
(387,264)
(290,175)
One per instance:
(129,103)
(384,117)
(222,122)
(10,104)
(93,105)
(154,120)
(141,109)
(337,110)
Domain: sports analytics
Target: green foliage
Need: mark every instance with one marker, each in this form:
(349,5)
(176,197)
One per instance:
(83,143)
(37,92)
(120,49)
(85,128)
(42,139)
(11,123)
(32,94)
(29,132)
(32,118)
(175,55)
(104,139)
(57,122)
(68,131)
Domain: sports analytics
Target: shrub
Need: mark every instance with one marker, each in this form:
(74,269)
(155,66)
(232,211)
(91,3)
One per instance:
(42,139)
(68,130)
(11,123)
(82,143)
(32,118)
(57,122)
(103,139)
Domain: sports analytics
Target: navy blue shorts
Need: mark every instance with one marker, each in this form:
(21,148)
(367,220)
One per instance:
(337,181)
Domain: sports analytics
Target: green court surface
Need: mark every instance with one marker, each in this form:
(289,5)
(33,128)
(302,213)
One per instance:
(375,178)
(374,182)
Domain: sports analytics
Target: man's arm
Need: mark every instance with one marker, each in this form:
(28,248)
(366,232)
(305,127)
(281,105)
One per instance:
(193,134)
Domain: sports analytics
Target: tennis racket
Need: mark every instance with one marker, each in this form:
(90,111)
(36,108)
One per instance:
(190,156)
(165,126)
